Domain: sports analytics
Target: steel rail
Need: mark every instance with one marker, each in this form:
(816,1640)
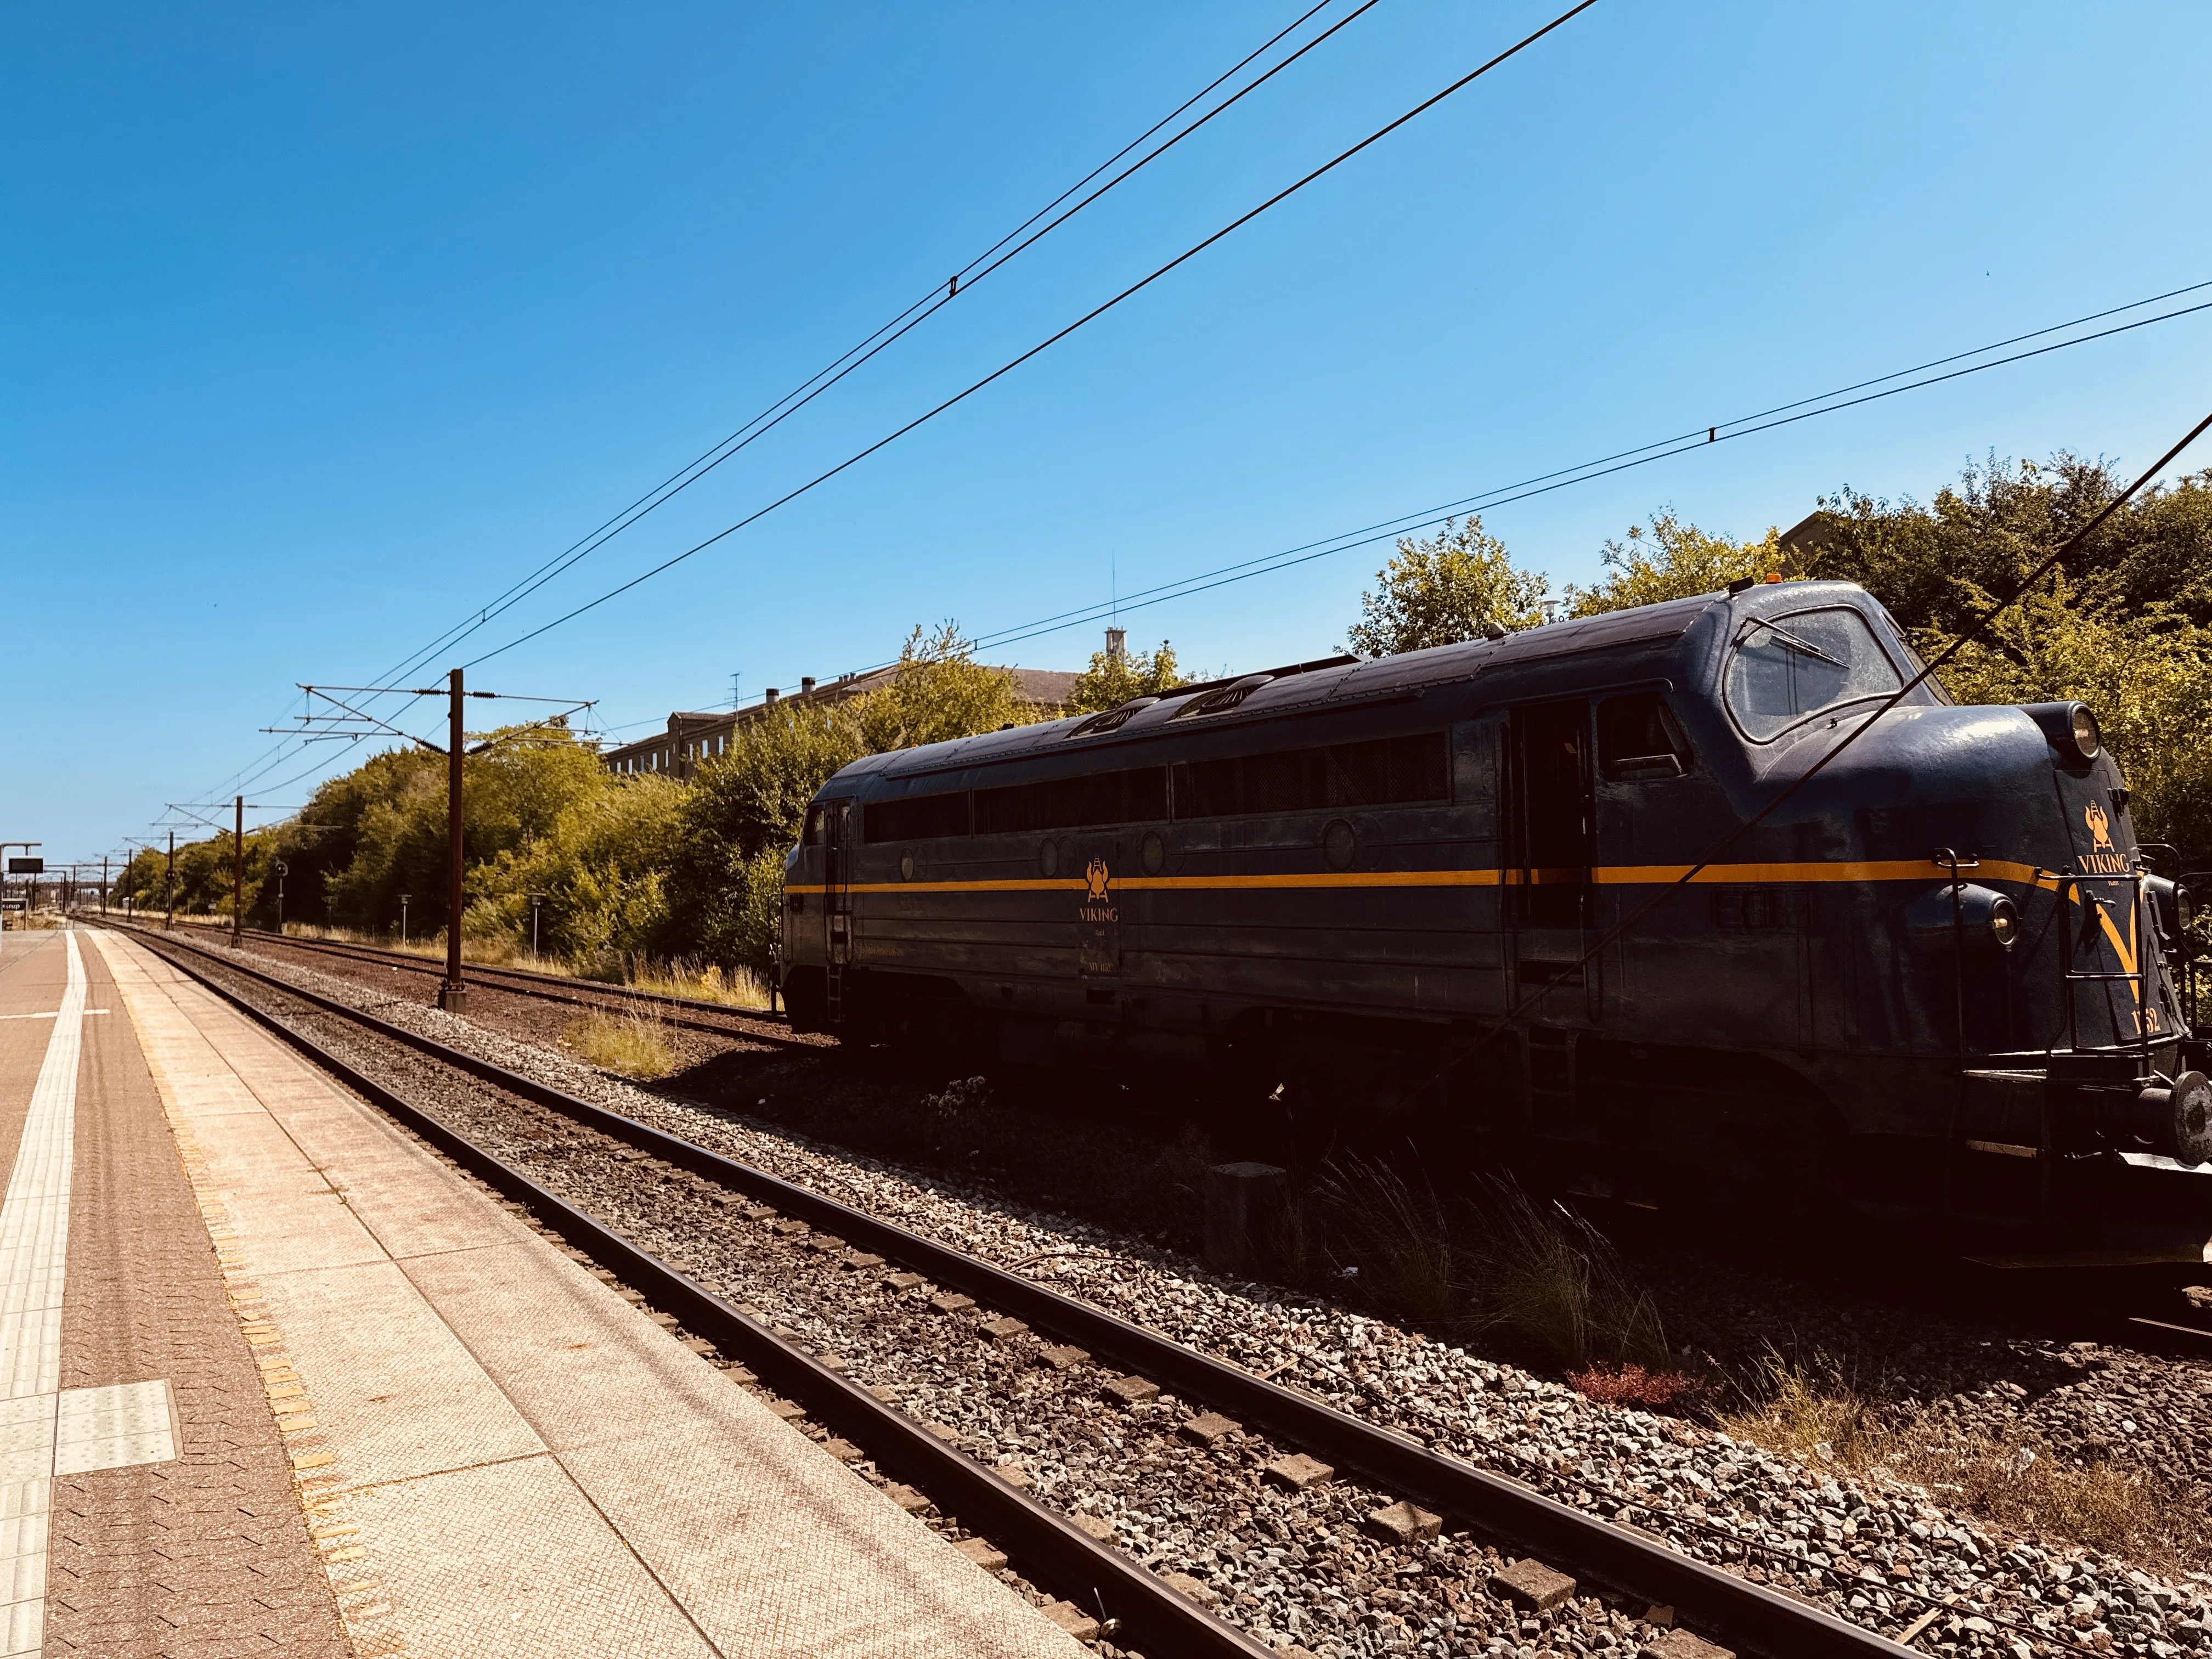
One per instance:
(551,987)
(1753,1618)
(1132,1601)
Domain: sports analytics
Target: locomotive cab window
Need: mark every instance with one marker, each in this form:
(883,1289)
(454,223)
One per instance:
(1786,668)
(1637,739)
(812,834)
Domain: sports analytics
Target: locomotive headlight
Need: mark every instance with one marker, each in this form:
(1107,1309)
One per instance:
(2087,738)
(1971,916)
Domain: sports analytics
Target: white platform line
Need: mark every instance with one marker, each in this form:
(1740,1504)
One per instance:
(34,1251)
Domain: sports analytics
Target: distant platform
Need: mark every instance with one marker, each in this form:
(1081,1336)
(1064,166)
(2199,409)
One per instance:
(273,1378)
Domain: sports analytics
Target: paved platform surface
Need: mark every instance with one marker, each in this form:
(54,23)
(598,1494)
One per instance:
(146,1505)
(484,1449)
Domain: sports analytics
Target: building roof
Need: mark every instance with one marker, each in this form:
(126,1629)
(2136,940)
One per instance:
(673,750)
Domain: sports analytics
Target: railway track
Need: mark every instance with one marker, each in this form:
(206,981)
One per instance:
(688,1014)
(1142,1608)
(2155,1322)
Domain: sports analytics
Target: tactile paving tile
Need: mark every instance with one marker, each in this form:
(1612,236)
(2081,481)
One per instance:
(114,1427)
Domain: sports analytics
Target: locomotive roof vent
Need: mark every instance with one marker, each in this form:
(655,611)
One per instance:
(1221,702)
(1112,720)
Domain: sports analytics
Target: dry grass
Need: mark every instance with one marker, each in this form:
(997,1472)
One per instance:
(737,988)
(634,1044)
(1552,1280)
(1393,1239)
(2022,1489)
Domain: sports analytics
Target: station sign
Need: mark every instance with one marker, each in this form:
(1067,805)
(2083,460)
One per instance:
(26,866)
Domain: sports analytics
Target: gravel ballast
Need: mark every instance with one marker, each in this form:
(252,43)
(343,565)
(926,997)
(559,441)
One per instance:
(1311,1567)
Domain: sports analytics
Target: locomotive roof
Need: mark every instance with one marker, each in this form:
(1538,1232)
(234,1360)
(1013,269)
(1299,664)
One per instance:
(1306,687)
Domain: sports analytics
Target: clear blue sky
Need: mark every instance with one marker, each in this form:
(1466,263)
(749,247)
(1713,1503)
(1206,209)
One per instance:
(319,325)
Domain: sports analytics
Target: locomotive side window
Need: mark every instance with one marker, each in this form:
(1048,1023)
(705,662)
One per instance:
(1637,738)
(1139,795)
(1788,667)
(918,817)
(1376,772)
(812,834)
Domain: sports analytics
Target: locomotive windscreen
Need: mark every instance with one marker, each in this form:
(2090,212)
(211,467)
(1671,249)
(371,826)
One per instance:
(1788,667)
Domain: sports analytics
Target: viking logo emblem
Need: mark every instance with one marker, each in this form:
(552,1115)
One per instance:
(2101,826)
(1095,879)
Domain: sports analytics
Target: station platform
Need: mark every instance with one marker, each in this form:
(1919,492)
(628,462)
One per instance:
(273,1379)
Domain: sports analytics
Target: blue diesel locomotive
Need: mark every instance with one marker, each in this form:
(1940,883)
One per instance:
(1941,979)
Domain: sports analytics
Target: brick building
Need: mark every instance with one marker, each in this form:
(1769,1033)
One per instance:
(693,737)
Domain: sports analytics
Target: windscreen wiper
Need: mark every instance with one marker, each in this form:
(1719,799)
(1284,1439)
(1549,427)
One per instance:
(1794,642)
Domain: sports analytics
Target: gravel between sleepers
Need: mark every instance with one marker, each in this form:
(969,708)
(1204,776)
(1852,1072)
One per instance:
(1304,1567)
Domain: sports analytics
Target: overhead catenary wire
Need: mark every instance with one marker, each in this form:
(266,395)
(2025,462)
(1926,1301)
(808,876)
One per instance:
(1743,426)
(1697,438)
(1766,420)
(1023,236)
(1052,339)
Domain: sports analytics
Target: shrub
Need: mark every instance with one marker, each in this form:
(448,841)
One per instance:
(1553,1280)
(1394,1237)
(634,1044)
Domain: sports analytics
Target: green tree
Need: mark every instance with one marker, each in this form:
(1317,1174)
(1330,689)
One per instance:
(603,865)
(379,830)
(2148,674)
(1112,679)
(1981,535)
(939,692)
(743,813)
(746,807)
(1673,561)
(1448,588)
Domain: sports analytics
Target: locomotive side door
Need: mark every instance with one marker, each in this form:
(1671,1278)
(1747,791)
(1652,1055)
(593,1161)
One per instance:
(1548,855)
(836,900)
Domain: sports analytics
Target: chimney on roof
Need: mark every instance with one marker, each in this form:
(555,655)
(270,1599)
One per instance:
(806,685)
(1117,644)
(767,700)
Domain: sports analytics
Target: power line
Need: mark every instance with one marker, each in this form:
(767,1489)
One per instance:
(1743,426)
(1502,495)
(1545,483)
(1052,339)
(1024,236)
(990,260)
